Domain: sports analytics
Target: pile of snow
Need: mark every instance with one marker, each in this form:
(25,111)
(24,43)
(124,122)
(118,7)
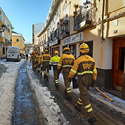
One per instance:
(49,108)
(7,83)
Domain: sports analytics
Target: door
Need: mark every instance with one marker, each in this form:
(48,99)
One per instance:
(118,62)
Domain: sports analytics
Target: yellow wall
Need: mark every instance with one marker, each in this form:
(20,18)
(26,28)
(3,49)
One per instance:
(20,44)
(2,39)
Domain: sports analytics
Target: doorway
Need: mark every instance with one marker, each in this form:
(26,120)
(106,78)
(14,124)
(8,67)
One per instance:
(118,62)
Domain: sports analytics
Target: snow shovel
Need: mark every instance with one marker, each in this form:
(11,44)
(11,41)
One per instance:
(103,94)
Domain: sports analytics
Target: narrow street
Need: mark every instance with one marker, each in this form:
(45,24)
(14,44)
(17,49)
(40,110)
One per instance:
(105,115)
(38,102)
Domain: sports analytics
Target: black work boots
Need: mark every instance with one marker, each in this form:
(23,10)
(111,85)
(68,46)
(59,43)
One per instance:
(91,120)
(78,108)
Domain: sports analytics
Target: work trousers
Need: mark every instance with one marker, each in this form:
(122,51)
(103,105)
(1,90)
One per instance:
(33,63)
(84,83)
(46,67)
(66,71)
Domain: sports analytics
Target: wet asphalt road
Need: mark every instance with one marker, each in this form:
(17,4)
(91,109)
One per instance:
(26,110)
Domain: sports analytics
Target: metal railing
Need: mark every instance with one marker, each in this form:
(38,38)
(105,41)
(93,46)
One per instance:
(82,15)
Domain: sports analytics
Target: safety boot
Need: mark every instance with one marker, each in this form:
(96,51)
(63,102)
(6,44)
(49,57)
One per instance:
(91,120)
(68,96)
(77,107)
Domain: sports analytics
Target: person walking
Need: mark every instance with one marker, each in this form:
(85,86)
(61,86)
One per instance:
(33,59)
(37,62)
(85,67)
(66,62)
(45,61)
(40,62)
(54,62)
(26,56)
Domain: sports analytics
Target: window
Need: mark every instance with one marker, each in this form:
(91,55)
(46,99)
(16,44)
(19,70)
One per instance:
(17,40)
(3,50)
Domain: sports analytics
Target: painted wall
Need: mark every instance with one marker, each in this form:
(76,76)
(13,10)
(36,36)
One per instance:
(20,44)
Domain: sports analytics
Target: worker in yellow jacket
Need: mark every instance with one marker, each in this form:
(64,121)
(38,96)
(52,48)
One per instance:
(66,62)
(33,59)
(85,67)
(35,64)
(45,61)
(40,62)
(54,62)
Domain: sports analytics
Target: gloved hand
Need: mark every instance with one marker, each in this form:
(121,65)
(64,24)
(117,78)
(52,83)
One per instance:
(93,83)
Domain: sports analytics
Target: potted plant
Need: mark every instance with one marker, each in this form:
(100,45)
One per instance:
(76,6)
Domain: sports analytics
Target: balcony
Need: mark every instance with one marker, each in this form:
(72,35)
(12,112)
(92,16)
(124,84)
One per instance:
(54,38)
(64,29)
(83,18)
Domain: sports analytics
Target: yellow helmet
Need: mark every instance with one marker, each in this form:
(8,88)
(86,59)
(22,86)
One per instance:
(42,52)
(33,52)
(56,52)
(46,50)
(66,48)
(36,52)
(84,48)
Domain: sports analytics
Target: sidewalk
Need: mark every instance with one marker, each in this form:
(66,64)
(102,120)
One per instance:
(117,104)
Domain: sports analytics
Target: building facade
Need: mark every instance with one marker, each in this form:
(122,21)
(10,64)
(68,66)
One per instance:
(19,41)
(5,35)
(36,28)
(100,24)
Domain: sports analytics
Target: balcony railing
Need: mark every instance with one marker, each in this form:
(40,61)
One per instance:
(83,18)
(64,29)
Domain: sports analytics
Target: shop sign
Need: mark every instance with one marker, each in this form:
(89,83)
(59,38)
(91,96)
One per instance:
(73,39)
(53,42)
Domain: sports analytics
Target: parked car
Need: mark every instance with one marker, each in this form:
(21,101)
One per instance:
(13,53)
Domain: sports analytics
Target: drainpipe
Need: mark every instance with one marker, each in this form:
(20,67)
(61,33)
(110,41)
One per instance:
(103,20)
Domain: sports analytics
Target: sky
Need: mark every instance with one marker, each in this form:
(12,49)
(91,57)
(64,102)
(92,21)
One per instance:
(23,13)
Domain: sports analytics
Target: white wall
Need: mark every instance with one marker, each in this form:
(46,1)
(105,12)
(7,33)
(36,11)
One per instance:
(108,57)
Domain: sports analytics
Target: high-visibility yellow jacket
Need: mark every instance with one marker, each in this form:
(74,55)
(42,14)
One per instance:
(54,61)
(46,58)
(40,59)
(66,60)
(36,57)
(32,57)
(84,65)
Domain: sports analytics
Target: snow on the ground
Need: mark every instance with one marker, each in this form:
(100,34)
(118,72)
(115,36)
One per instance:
(7,83)
(49,108)
(117,102)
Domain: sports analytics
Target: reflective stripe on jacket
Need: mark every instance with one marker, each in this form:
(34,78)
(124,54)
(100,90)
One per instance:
(84,65)
(66,60)
(54,60)
(46,58)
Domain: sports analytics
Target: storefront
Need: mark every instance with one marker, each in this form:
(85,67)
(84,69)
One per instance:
(54,45)
(73,43)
